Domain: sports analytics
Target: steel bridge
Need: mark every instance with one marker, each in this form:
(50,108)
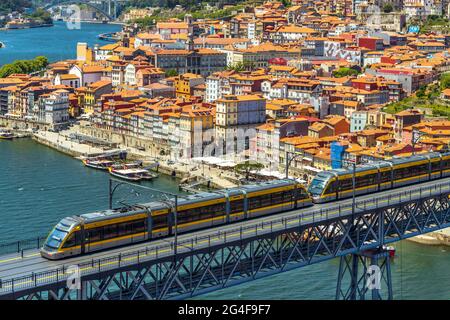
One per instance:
(220,257)
(109,8)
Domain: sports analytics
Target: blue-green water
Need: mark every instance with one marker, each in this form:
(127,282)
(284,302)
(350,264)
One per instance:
(38,186)
(57,42)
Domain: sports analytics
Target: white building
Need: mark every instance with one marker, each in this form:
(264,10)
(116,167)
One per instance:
(54,107)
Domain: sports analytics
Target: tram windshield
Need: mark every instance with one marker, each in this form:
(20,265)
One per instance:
(55,238)
(317,186)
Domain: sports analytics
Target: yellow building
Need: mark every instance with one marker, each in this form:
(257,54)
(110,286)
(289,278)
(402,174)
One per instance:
(84,53)
(89,96)
(185,83)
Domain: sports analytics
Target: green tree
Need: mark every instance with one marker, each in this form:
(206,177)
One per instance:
(344,72)
(247,167)
(171,73)
(286,3)
(7,6)
(242,66)
(445,81)
(387,8)
(421,92)
(24,66)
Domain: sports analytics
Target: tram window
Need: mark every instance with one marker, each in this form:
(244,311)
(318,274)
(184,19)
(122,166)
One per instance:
(266,200)
(331,187)
(237,206)
(254,203)
(366,180)
(385,176)
(287,195)
(125,228)
(94,235)
(110,231)
(212,210)
(446,164)
(277,197)
(436,166)
(219,209)
(159,221)
(138,226)
(401,173)
(301,193)
(188,215)
(71,241)
(345,184)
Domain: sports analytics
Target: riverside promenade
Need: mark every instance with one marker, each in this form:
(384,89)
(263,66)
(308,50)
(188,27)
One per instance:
(62,143)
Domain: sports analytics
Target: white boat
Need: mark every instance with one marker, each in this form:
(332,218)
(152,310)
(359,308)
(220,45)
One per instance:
(6,135)
(127,165)
(101,164)
(133,174)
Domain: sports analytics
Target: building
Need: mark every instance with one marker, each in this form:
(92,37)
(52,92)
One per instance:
(196,124)
(235,115)
(198,61)
(185,83)
(54,108)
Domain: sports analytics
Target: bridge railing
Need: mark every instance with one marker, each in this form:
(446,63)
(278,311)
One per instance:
(216,238)
(21,245)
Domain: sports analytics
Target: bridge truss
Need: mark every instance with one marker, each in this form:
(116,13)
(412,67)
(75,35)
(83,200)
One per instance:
(108,8)
(206,264)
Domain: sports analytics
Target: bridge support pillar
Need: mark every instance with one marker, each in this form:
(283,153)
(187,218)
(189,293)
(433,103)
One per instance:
(82,292)
(365,275)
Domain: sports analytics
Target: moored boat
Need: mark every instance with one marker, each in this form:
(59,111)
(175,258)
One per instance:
(6,135)
(101,164)
(390,250)
(133,174)
(127,165)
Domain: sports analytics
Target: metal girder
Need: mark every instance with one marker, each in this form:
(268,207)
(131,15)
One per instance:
(198,271)
(365,272)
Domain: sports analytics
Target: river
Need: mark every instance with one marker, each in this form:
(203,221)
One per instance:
(39,186)
(57,42)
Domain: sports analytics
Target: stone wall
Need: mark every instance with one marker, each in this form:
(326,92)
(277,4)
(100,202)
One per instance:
(23,124)
(122,139)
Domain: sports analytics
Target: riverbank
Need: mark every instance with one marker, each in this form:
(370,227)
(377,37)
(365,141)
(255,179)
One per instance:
(63,144)
(219,178)
(24,27)
(437,238)
(206,176)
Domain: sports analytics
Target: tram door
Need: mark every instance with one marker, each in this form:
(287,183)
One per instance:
(83,239)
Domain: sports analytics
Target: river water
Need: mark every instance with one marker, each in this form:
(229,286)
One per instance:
(39,186)
(57,42)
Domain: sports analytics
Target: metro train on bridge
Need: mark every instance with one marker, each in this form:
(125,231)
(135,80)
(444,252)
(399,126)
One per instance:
(106,229)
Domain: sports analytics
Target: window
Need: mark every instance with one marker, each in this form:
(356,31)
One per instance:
(237,206)
(125,228)
(110,231)
(73,240)
(94,235)
(55,238)
(159,221)
(332,187)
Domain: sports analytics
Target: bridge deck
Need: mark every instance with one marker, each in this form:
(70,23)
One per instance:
(16,266)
